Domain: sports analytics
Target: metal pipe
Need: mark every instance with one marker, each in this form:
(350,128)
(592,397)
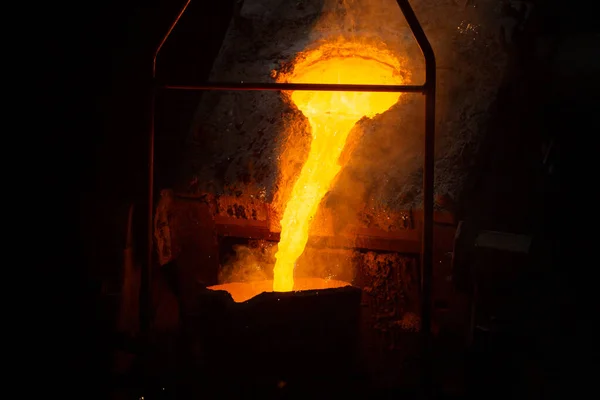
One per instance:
(326,87)
(164,39)
(428,181)
(146,273)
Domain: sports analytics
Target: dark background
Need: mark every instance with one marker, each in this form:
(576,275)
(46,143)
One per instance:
(95,67)
(93,64)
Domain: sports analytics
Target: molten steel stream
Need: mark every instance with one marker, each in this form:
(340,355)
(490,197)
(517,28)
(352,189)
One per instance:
(331,116)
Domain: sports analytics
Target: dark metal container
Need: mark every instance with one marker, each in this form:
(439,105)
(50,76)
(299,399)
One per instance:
(275,341)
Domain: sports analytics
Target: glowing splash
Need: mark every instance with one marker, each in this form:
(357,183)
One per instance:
(331,116)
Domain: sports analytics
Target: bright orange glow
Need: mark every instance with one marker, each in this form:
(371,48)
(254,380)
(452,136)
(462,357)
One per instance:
(242,291)
(331,116)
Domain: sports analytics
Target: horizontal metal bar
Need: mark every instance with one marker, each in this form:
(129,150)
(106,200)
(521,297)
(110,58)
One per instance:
(324,87)
(405,241)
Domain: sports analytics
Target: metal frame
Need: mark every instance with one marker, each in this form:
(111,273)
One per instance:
(427,89)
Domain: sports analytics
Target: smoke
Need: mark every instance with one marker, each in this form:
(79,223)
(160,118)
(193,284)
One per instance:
(385,153)
(254,262)
(368,19)
(251,263)
(326,263)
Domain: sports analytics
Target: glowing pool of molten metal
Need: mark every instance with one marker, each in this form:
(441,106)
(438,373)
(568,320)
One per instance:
(331,116)
(242,291)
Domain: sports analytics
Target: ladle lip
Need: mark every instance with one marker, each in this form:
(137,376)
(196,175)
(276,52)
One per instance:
(221,289)
(325,50)
(368,58)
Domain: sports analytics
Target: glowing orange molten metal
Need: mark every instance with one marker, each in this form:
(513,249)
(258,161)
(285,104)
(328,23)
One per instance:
(331,116)
(242,291)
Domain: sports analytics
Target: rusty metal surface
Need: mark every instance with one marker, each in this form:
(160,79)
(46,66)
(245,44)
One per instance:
(235,218)
(406,241)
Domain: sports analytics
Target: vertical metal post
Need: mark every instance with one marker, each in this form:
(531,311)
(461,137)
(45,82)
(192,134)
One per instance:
(146,274)
(427,244)
(428,180)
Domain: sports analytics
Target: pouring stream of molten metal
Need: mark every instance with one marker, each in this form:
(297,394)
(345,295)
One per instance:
(331,116)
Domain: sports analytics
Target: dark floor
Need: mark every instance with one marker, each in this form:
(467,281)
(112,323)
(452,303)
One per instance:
(516,360)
